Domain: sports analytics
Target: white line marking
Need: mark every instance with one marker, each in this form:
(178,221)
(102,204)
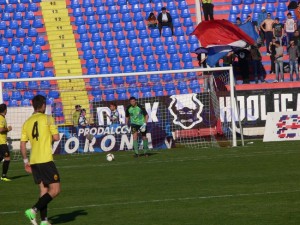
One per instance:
(166,200)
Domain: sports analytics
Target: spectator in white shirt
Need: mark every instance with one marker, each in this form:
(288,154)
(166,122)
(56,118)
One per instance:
(165,19)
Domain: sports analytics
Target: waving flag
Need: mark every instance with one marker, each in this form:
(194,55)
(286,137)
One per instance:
(221,32)
(216,53)
(249,29)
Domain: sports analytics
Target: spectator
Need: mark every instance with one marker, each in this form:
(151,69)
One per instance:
(260,19)
(243,62)
(278,30)
(289,27)
(82,121)
(208,9)
(256,62)
(238,21)
(228,59)
(272,49)
(152,21)
(164,19)
(202,60)
(293,53)
(296,40)
(267,27)
(279,62)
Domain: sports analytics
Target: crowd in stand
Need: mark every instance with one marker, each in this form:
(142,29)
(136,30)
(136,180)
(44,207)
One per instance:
(275,35)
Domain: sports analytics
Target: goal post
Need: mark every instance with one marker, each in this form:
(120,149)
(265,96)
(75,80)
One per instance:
(183,105)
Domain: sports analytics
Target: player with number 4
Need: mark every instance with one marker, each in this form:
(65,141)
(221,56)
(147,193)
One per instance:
(138,118)
(40,130)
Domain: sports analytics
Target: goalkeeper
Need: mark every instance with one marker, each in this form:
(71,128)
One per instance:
(138,121)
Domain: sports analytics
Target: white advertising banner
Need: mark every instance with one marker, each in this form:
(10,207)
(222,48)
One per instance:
(282,126)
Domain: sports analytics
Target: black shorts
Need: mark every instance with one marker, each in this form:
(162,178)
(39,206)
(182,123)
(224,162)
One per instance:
(4,151)
(46,173)
(135,128)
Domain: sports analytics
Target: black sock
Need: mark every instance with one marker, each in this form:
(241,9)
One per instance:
(43,213)
(5,167)
(42,202)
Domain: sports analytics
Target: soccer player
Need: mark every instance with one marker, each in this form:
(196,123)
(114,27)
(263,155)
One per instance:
(138,122)
(4,151)
(41,131)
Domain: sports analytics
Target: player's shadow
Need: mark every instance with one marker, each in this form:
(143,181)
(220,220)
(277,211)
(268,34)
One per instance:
(67,217)
(18,177)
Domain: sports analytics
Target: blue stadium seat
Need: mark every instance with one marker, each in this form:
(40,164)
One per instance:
(159,50)
(131,80)
(114,62)
(15,67)
(99,53)
(8,33)
(94,82)
(109,44)
(3,25)
(24,75)
(162,59)
(36,74)
(140,25)
(135,8)
(109,2)
(107,36)
(25,102)
(12,50)
(12,75)
(91,71)
(246,9)
(188,65)
(147,51)
(13,103)
(31,58)
(128,69)
(133,43)
(84,38)
(138,60)
(100,10)
(126,61)
(271,1)
(118,81)
(136,51)
(143,34)
(232,18)
(174,14)
(155,78)
(166,32)
(234,9)
(45,84)
(111,53)
(117,27)
(114,18)
(282,7)
(18,16)
(122,96)
(19,58)
(181,40)
(185,13)
(7,59)
(140,68)
(28,95)
(121,90)
(128,26)
(164,66)
(154,33)
(248,2)
(236,2)
(123,52)
(93,28)
(20,7)
(145,42)
(157,41)
(280,15)
(138,16)
(194,46)
(176,22)
(102,62)
(131,35)
(152,67)
(178,31)
(122,2)
(96,92)
(33,85)
(172,49)
(126,17)
(187,22)
(5,16)
(104,70)
(257,8)
(79,21)
(13,25)
(77,12)
(40,41)
(169,41)
(90,63)
(39,66)
(147,7)
(259,1)
(98,3)
(174,58)
(75,4)
(143,78)
(48,73)
(32,7)
(25,24)
(86,46)
(176,66)
(158,6)
(150,59)
(95,37)
(167,77)
(132,2)
(124,9)
(170,88)
(270,7)
(102,19)
(158,89)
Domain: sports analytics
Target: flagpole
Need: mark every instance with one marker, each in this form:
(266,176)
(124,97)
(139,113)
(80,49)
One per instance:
(198,11)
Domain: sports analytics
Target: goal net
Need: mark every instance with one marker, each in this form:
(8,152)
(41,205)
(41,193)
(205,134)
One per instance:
(183,108)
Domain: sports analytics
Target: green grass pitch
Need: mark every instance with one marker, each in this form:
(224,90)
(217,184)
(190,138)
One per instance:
(251,185)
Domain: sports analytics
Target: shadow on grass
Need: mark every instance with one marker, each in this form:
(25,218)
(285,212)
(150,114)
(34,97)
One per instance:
(20,176)
(67,217)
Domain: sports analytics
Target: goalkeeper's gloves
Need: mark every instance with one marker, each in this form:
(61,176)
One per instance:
(143,127)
